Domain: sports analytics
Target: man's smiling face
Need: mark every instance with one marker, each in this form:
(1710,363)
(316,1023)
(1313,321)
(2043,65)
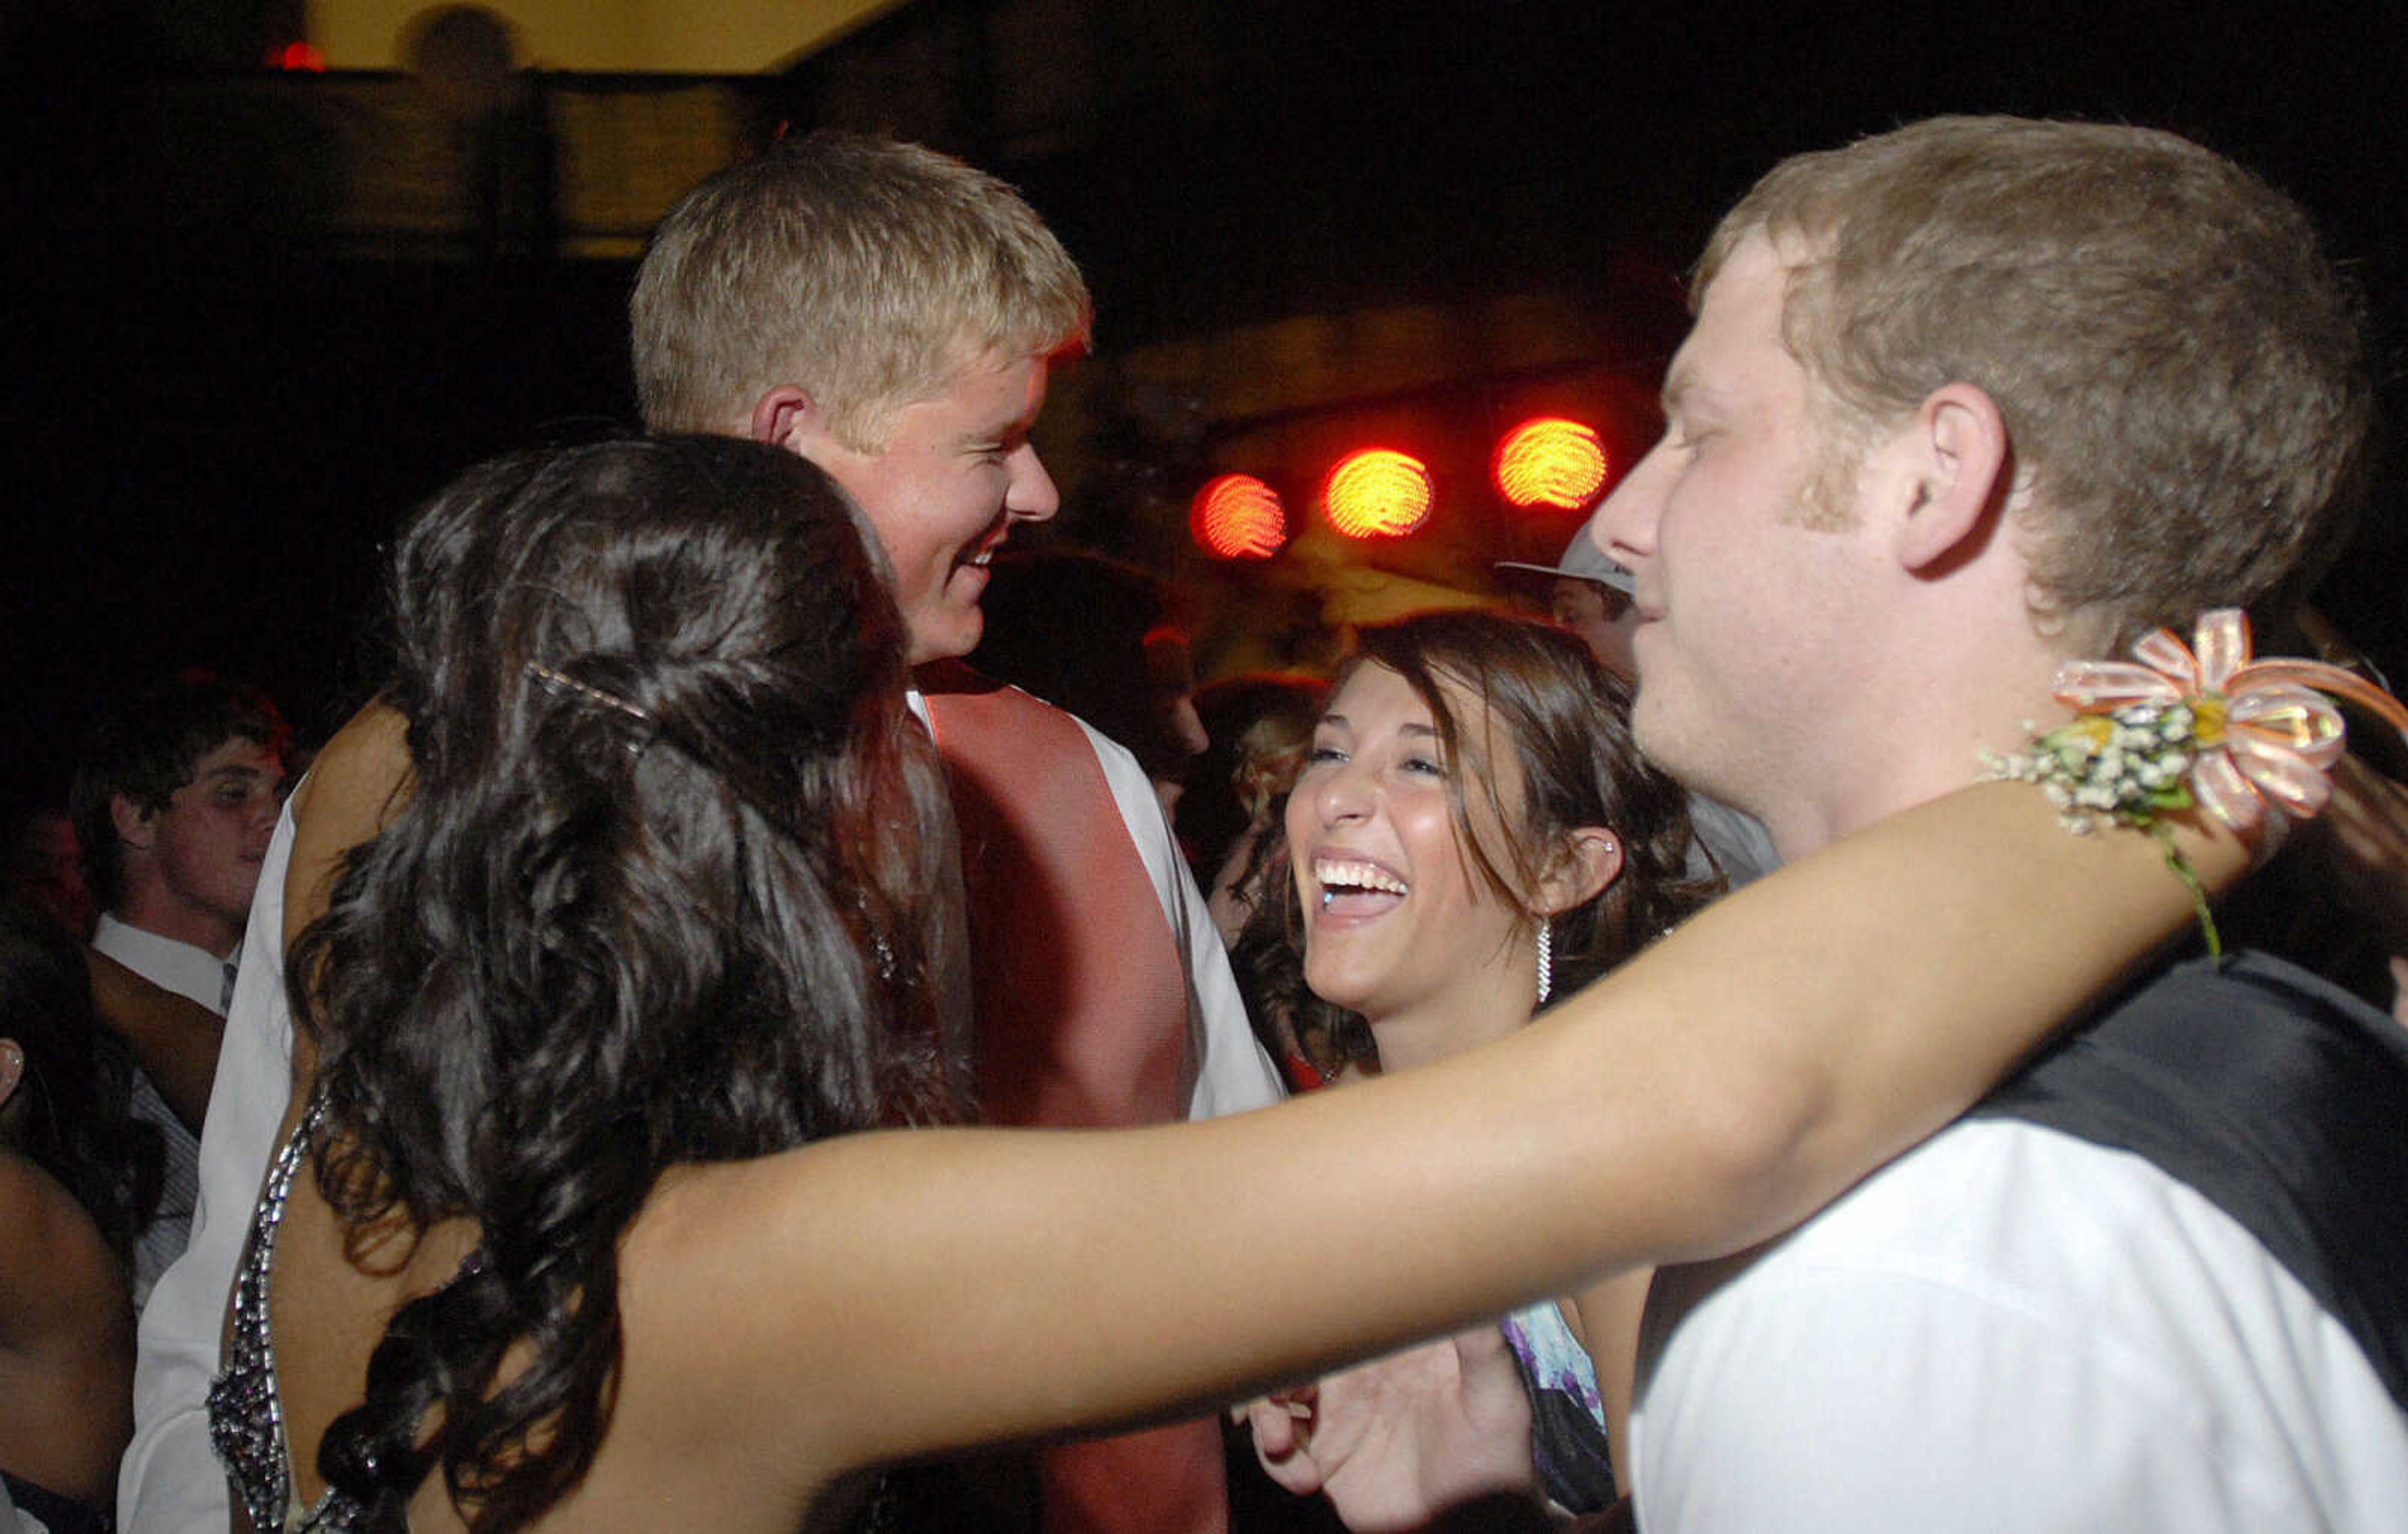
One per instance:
(956,470)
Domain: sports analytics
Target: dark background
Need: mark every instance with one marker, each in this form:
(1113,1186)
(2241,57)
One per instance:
(214,415)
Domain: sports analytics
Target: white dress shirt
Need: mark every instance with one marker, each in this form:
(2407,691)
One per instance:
(2010,1330)
(199,976)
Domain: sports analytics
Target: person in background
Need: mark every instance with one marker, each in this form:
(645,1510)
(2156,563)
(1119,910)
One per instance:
(1270,725)
(46,867)
(1099,638)
(175,793)
(1178,735)
(1589,595)
(1258,728)
(1261,730)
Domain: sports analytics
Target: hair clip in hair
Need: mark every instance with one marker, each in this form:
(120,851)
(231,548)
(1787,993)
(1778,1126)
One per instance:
(2250,742)
(554,682)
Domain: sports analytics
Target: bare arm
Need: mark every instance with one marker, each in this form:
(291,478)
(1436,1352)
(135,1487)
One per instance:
(1609,1313)
(174,1038)
(893,1294)
(353,787)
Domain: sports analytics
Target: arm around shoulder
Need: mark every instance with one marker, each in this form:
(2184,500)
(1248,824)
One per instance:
(1801,1032)
(890,1294)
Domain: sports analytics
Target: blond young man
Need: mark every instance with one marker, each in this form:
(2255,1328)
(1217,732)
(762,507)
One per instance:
(892,315)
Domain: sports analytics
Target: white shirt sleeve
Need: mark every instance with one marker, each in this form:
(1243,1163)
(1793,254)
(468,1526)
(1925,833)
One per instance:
(169,1480)
(1230,1070)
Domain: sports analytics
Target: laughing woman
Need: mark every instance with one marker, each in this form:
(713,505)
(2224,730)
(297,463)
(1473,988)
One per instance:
(1473,832)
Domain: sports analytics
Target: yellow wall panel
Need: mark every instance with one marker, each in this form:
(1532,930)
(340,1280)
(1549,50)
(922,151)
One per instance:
(669,37)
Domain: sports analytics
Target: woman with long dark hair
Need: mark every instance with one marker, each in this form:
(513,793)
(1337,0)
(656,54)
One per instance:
(578,1226)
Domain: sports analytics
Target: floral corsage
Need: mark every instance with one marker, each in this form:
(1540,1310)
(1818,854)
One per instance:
(2173,728)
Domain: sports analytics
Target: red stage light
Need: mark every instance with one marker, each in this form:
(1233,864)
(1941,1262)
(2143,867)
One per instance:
(298,57)
(1550,462)
(1377,492)
(1236,516)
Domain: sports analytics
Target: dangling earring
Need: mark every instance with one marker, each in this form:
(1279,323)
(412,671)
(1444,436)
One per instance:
(1546,958)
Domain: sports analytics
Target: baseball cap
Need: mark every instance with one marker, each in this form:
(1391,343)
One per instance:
(1582,560)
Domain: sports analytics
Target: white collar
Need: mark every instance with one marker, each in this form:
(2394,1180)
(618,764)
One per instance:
(165,962)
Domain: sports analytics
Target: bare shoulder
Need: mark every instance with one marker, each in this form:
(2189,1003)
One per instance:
(58,1278)
(370,751)
(355,785)
(725,1390)
(66,1339)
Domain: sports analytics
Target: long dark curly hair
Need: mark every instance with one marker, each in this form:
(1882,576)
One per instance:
(76,1121)
(668,887)
(1566,718)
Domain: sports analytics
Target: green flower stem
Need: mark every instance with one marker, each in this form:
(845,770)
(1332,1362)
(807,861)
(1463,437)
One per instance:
(2182,868)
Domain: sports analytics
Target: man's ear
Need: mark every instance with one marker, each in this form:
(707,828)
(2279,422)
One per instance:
(781,416)
(136,827)
(1959,465)
(1586,861)
(12,1068)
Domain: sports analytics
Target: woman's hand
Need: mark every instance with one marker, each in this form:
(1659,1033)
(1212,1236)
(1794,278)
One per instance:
(1395,1441)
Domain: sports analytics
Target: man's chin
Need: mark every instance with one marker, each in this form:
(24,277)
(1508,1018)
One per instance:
(1656,729)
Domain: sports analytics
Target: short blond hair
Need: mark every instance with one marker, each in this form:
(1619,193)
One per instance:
(865,271)
(2182,371)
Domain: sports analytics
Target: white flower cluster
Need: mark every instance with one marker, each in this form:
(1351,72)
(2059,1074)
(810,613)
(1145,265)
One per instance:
(2124,766)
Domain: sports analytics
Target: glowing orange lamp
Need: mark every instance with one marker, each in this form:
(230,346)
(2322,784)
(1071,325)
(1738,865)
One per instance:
(1550,462)
(1236,516)
(1377,492)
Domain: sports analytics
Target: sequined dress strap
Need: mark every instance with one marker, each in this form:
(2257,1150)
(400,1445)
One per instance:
(246,1418)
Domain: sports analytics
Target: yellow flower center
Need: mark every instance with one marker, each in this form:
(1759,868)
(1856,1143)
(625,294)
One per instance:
(2207,718)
